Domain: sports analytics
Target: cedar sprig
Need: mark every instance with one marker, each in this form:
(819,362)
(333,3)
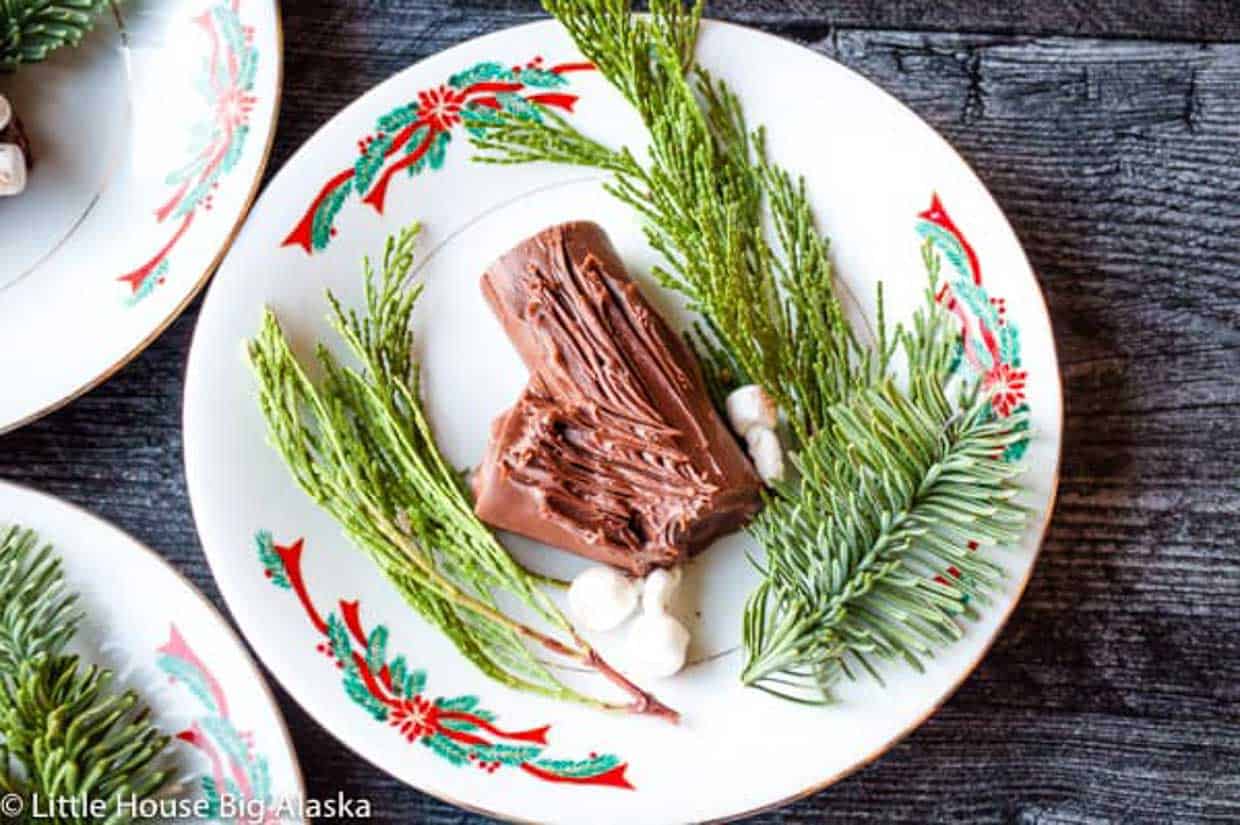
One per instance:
(358,442)
(64,732)
(706,197)
(893,481)
(30,30)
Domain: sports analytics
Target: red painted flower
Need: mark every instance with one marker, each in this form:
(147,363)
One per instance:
(415,718)
(1007,388)
(232,109)
(441,108)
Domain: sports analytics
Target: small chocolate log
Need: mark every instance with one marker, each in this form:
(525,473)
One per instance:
(613,451)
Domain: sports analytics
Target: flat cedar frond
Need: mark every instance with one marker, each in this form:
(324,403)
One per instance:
(359,444)
(893,481)
(706,197)
(64,733)
(31,29)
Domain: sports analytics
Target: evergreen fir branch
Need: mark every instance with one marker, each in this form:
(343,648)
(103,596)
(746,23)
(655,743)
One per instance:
(31,29)
(63,731)
(358,442)
(37,613)
(893,492)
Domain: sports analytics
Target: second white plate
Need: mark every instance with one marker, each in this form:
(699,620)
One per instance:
(149,142)
(161,637)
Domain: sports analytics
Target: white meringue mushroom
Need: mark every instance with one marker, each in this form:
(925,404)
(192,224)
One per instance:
(767,455)
(658,588)
(750,407)
(601,597)
(658,644)
(12,169)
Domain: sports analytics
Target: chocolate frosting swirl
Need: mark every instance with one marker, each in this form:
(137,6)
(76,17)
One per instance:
(613,450)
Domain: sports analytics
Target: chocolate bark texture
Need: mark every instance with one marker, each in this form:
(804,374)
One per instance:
(613,451)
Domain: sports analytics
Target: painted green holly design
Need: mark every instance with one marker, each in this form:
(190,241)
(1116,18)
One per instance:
(414,137)
(989,344)
(30,30)
(236,770)
(273,567)
(457,729)
(1016,452)
(217,143)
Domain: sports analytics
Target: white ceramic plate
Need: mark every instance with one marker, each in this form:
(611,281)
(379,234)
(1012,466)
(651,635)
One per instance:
(149,142)
(881,181)
(164,639)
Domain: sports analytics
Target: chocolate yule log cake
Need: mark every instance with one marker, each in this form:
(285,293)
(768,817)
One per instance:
(613,450)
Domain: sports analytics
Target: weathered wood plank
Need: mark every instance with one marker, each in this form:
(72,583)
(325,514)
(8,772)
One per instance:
(1196,20)
(1112,695)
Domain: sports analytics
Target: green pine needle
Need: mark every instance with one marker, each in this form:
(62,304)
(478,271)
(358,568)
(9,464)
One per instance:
(63,731)
(892,481)
(31,29)
(359,444)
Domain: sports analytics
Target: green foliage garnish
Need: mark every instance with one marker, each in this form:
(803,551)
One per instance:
(899,487)
(358,443)
(63,731)
(770,314)
(31,29)
(894,481)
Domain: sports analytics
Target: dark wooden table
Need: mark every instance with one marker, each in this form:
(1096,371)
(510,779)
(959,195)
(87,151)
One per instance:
(1109,130)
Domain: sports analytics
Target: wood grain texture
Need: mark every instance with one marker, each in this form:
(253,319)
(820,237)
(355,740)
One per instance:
(1194,20)
(1114,694)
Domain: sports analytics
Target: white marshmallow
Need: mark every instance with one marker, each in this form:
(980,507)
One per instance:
(600,598)
(658,588)
(750,407)
(12,169)
(767,455)
(658,645)
(6,113)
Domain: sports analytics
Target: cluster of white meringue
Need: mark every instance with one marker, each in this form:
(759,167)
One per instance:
(753,416)
(12,158)
(602,598)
